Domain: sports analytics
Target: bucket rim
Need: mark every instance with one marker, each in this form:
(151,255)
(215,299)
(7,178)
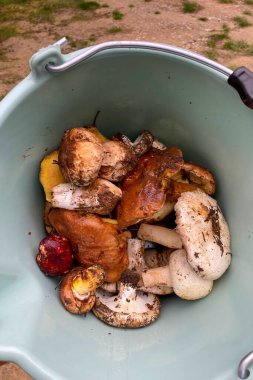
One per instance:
(143,45)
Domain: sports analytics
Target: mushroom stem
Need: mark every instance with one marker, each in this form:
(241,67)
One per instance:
(157,277)
(130,307)
(100,197)
(135,251)
(162,235)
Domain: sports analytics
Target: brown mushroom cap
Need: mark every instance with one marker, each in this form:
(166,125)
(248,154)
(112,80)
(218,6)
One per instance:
(118,160)
(80,156)
(204,233)
(72,301)
(94,240)
(144,190)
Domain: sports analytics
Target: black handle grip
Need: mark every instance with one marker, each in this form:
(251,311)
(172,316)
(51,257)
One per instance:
(242,80)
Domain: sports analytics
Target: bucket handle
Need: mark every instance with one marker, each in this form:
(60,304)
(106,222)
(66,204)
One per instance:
(243,371)
(91,51)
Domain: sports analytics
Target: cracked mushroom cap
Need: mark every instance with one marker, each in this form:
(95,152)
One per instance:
(186,283)
(80,156)
(129,308)
(204,233)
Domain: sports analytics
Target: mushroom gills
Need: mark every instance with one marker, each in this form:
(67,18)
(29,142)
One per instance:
(129,308)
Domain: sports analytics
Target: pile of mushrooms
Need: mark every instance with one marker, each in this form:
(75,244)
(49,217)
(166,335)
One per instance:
(111,202)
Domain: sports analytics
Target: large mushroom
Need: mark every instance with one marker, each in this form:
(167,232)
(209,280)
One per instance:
(94,240)
(204,233)
(129,308)
(100,197)
(80,156)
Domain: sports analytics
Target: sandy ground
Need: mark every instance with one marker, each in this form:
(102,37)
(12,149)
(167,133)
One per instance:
(157,21)
(153,20)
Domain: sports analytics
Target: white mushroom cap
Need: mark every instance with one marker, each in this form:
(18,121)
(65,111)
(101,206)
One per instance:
(130,308)
(186,283)
(205,234)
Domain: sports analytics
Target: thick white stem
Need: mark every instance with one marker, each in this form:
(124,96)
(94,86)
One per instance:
(157,277)
(161,235)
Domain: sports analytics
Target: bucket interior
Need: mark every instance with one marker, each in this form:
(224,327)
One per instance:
(184,104)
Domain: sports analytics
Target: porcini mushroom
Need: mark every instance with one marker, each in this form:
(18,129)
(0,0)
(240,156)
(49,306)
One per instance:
(78,288)
(94,240)
(118,160)
(179,275)
(140,145)
(190,178)
(129,308)
(80,156)
(204,233)
(144,190)
(100,197)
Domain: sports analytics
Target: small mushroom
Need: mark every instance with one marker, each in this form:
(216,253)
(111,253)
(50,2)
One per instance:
(143,143)
(80,156)
(100,197)
(78,288)
(118,160)
(140,263)
(205,234)
(129,308)
(140,145)
(161,235)
(144,190)
(179,275)
(190,178)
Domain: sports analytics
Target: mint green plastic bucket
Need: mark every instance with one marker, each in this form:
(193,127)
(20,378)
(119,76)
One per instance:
(185,100)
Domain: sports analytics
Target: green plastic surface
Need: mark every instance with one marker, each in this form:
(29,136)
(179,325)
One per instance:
(183,103)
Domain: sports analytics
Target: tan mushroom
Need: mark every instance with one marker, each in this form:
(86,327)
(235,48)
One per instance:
(80,156)
(118,160)
(78,288)
(100,197)
(141,144)
(204,233)
(189,178)
(130,308)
